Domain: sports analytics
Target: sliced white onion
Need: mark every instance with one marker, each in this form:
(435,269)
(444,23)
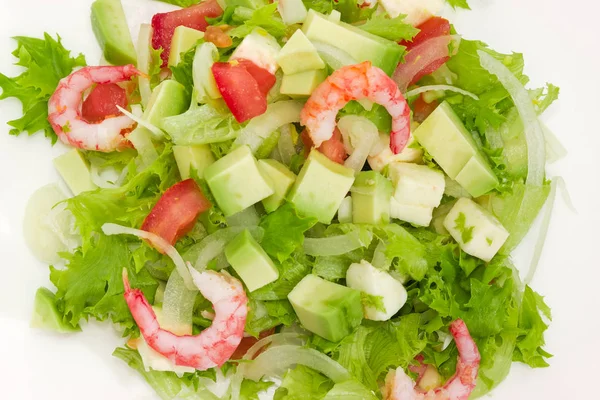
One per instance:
(359,136)
(101,181)
(536,148)
(178,306)
(379,257)
(430,88)
(159,243)
(204,81)
(142,122)
(555,151)
(277,115)
(336,245)
(333,56)
(144,44)
(246,218)
(285,145)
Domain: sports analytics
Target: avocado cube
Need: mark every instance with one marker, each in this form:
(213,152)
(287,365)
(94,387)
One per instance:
(46,314)
(361,45)
(299,55)
(75,171)
(303,83)
(477,177)
(476,230)
(282,180)
(169,98)
(197,157)
(250,261)
(371,195)
(321,187)
(184,38)
(112,32)
(236,182)
(325,308)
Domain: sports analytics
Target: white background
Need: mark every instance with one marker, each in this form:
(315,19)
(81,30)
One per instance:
(561,43)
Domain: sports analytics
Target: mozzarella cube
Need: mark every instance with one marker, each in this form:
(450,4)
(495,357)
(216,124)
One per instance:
(416,11)
(344,213)
(259,47)
(386,156)
(476,230)
(416,215)
(375,282)
(416,184)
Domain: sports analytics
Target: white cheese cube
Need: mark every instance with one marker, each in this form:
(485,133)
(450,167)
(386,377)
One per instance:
(416,11)
(416,215)
(476,230)
(416,184)
(259,47)
(385,157)
(375,282)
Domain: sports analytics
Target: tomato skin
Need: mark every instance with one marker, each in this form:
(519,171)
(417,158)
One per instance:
(422,109)
(429,69)
(194,17)
(332,148)
(102,102)
(175,213)
(240,90)
(248,342)
(433,27)
(264,78)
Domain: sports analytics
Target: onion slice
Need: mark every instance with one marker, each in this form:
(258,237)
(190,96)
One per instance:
(430,88)
(333,56)
(359,136)
(178,306)
(534,135)
(336,245)
(159,243)
(142,122)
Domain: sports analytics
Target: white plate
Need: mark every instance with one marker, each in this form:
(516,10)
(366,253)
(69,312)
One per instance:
(560,42)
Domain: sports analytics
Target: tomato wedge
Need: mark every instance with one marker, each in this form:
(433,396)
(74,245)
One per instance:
(332,148)
(194,17)
(248,342)
(263,77)
(175,213)
(102,102)
(422,109)
(240,90)
(433,27)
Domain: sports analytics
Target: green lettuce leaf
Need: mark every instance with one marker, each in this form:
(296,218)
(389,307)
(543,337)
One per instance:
(181,3)
(291,271)
(406,253)
(459,4)
(264,315)
(250,389)
(531,330)
(394,29)
(201,125)
(302,383)
(265,17)
(352,11)
(46,62)
(350,390)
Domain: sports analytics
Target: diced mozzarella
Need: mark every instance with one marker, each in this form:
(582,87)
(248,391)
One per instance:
(292,11)
(417,215)
(476,230)
(416,184)
(345,211)
(259,47)
(366,278)
(408,154)
(416,11)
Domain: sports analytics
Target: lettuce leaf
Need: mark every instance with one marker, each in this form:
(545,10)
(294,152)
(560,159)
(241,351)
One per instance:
(46,62)
(264,315)
(531,330)
(459,4)
(303,383)
(250,389)
(201,125)
(394,29)
(181,3)
(265,17)
(291,271)
(350,390)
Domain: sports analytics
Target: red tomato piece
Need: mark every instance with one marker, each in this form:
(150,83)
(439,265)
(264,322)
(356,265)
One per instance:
(264,78)
(422,109)
(248,342)
(194,17)
(433,27)
(240,90)
(175,213)
(332,148)
(429,69)
(102,102)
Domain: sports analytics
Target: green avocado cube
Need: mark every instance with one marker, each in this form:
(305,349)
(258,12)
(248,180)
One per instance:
(184,38)
(477,177)
(112,32)
(75,171)
(250,261)
(299,55)
(325,308)
(169,98)
(236,182)
(371,196)
(282,180)
(197,157)
(321,187)
(302,83)
(46,314)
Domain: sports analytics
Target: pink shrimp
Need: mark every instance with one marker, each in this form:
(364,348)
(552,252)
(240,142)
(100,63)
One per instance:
(64,110)
(399,386)
(356,82)
(214,345)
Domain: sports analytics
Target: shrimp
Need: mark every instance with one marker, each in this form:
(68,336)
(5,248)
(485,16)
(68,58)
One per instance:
(214,345)
(64,110)
(399,386)
(356,82)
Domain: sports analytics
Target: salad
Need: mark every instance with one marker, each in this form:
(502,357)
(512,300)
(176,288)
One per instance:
(300,199)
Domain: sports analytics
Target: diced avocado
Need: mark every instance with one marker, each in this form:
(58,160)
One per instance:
(282,180)
(299,55)
(344,214)
(321,187)
(325,308)
(112,32)
(371,195)
(46,315)
(236,182)
(198,157)
(476,230)
(169,98)
(292,11)
(361,45)
(184,38)
(303,83)
(445,137)
(250,261)
(75,171)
